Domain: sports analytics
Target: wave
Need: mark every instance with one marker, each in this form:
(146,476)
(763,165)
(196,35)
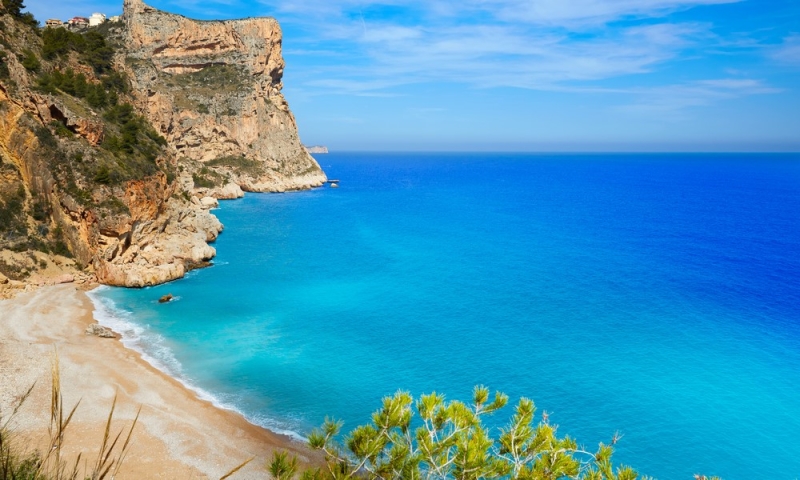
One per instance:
(153,349)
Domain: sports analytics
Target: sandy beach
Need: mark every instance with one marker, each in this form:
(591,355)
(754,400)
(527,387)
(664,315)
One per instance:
(177,436)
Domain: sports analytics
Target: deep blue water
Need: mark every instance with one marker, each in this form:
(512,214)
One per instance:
(654,295)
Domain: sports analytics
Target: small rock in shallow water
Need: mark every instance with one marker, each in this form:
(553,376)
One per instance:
(166,298)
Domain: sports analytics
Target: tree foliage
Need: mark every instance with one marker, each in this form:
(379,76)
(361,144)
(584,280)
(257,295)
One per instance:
(90,46)
(14,8)
(433,438)
(30,62)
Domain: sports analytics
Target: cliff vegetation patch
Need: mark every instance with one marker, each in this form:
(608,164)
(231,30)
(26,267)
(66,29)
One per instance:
(239,165)
(212,80)
(207,178)
(85,151)
(209,90)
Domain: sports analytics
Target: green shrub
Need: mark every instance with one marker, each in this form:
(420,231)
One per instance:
(60,129)
(203,181)
(12,216)
(91,47)
(30,61)
(102,175)
(239,164)
(4,73)
(59,244)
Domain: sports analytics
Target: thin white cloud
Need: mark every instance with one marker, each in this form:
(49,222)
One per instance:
(670,101)
(789,51)
(501,55)
(575,13)
(535,44)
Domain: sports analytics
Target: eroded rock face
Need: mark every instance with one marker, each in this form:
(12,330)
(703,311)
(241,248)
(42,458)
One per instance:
(213,89)
(92,131)
(159,242)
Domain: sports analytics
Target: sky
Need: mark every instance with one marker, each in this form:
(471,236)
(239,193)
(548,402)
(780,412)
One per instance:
(527,75)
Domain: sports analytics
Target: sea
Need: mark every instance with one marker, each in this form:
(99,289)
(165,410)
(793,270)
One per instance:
(655,296)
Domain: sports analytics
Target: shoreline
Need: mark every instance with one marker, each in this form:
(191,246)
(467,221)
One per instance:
(179,434)
(109,316)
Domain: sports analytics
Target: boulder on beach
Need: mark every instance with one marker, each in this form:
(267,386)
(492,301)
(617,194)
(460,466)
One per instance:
(100,331)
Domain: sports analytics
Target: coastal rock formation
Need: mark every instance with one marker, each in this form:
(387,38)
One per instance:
(99,331)
(160,242)
(119,172)
(317,149)
(213,90)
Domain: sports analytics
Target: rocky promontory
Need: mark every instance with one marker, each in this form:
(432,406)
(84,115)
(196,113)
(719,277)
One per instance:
(116,142)
(213,90)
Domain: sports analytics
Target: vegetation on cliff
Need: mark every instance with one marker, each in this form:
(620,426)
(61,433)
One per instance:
(71,137)
(84,167)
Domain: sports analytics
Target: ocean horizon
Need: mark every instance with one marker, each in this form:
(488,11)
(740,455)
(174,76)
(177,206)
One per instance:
(655,295)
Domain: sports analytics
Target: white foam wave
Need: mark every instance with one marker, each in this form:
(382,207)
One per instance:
(153,349)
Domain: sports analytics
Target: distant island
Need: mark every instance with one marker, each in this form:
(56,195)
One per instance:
(317,149)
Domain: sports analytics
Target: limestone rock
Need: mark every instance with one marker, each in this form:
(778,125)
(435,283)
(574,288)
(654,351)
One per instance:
(228,192)
(65,278)
(3,279)
(166,298)
(213,89)
(100,331)
(209,203)
(91,130)
(317,149)
(162,237)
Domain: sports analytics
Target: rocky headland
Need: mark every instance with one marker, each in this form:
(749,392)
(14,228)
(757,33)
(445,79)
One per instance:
(116,143)
(317,149)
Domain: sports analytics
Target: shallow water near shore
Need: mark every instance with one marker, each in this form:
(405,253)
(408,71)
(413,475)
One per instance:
(654,295)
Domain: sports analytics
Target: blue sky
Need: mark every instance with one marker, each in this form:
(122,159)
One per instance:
(528,75)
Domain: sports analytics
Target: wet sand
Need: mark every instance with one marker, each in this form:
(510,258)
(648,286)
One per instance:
(178,435)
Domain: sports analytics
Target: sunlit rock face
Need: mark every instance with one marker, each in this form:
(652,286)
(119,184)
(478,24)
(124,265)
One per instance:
(213,90)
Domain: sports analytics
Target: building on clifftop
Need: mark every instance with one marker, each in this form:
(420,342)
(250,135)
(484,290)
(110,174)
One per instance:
(53,22)
(78,21)
(97,19)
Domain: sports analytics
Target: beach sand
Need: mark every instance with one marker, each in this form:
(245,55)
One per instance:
(178,435)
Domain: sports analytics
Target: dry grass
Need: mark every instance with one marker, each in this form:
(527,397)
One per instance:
(18,464)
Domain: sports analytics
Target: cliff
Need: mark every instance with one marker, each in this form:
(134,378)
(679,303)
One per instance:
(213,90)
(113,143)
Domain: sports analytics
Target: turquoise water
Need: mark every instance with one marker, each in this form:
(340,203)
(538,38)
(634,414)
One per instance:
(655,295)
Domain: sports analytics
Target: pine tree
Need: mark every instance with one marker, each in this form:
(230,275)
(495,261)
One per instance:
(432,438)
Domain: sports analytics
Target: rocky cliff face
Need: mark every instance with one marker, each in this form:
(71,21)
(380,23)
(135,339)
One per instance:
(89,178)
(213,89)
